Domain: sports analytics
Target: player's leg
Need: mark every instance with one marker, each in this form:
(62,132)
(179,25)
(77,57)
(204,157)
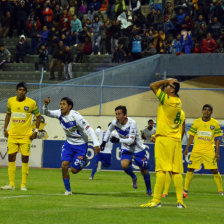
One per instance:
(218,180)
(187,181)
(167,184)
(126,158)
(97,159)
(106,161)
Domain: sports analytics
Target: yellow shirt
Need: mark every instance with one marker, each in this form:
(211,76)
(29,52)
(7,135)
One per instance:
(21,116)
(170,117)
(204,133)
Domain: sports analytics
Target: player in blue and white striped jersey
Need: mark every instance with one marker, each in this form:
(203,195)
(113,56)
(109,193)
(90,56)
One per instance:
(131,146)
(76,130)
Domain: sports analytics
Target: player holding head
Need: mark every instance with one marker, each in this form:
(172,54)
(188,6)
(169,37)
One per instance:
(168,150)
(76,130)
(19,113)
(131,146)
(206,133)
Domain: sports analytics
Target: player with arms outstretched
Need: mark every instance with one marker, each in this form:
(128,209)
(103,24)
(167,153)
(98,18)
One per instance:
(131,146)
(19,113)
(76,130)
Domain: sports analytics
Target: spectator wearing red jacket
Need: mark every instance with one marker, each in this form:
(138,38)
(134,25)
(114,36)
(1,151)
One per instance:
(64,21)
(208,44)
(48,15)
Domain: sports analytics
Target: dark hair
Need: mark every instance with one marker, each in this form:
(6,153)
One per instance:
(150,120)
(209,106)
(21,84)
(123,108)
(68,100)
(99,127)
(176,87)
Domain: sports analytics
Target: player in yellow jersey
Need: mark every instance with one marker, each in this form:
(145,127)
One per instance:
(206,133)
(19,113)
(168,150)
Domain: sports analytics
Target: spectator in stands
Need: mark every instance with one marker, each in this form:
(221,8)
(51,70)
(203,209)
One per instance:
(22,12)
(22,48)
(151,18)
(108,36)
(82,10)
(43,58)
(57,12)
(139,20)
(180,16)
(119,54)
(67,60)
(176,45)
(95,4)
(64,22)
(136,49)
(73,9)
(111,9)
(186,42)
(159,19)
(32,21)
(119,7)
(171,14)
(43,35)
(104,5)
(187,23)
(157,4)
(168,26)
(6,25)
(34,34)
(47,14)
(56,61)
(5,55)
(220,48)
(148,133)
(86,50)
(215,28)
(67,39)
(115,31)
(208,44)
(76,27)
(134,7)
(149,51)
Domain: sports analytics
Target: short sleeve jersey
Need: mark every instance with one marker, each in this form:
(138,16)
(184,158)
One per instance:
(170,117)
(21,116)
(204,133)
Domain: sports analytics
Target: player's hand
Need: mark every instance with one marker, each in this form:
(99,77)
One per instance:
(113,139)
(171,82)
(102,146)
(6,134)
(217,157)
(185,152)
(96,149)
(33,136)
(153,139)
(47,101)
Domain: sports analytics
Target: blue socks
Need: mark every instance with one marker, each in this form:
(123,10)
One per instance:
(94,170)
(147,182)
(67,184)
(130,172)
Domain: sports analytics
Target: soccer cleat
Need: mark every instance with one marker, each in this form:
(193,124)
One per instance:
(23,188)
(134,181)
(151,204)
(149,193)
(68,193)
(181,205)
(185,194)
(84,162)
(221,193)
(164,196)
(8,187)
(90,178)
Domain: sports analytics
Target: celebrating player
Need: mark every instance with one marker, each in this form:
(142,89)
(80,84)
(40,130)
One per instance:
(77,130)
(168,150)
(19,113)
(131,146)
(205,132)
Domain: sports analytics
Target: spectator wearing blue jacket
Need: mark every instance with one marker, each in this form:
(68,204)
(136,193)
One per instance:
(180,16)
(168,26)
(76,27)
(186,43)
(43,35)
(136,49)
(176,45)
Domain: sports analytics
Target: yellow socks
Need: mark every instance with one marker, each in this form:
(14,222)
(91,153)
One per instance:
(178,182)
(218,181)
(158,189)
(167,182)
(25,171)
(188,178)
(11,173)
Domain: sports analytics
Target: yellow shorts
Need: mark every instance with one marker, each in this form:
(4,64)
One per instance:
(196,159)
(18,146)
(168,155)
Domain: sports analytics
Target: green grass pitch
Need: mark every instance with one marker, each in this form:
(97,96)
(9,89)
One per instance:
(108,199)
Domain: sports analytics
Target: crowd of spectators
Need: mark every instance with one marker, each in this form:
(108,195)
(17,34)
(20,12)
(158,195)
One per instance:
(115,27)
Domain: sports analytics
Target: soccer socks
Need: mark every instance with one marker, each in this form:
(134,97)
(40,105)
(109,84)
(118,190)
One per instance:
(188,178)
(178,182)
(158,189)
(130,172)
(94,170)
(25,171)
(11,173)
(167,182)
(147,182)
(67,184)
(218,181)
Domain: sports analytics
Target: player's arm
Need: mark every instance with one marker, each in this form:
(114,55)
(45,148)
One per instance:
(183,130)
(106,136)
(7,120)
(217,143)
(34,135)
(155,86)
(190,140)
(47,112)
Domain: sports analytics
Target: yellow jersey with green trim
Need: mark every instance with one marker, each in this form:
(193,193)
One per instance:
(170,116)
(21,117)
(204,133)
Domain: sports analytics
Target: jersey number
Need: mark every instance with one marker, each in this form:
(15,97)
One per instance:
(177,120)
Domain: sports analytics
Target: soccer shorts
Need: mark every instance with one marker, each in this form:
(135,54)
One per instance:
(74,154)
(16,145)
(196,159)
(105,158)
(140,158)
(168,155)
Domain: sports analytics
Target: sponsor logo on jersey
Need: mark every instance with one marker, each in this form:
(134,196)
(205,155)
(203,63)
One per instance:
(80,157)
(204,134)
(87,127)
(212,127)
(26,108)
(190,162)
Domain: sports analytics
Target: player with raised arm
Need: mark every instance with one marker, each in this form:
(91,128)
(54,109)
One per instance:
(76,130)
(168,149)
(131,146)
(20,109)
(205,132)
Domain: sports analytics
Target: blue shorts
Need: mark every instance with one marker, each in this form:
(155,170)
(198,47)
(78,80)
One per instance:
(105,158)
(140,158)
(74,154)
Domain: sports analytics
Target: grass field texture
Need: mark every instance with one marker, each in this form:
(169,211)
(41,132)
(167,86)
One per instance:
(109,198)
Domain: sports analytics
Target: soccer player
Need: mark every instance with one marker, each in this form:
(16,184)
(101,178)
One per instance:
(76,130)
(19,113)
(168,150)
(102,158)
(205,132)
(131,146)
